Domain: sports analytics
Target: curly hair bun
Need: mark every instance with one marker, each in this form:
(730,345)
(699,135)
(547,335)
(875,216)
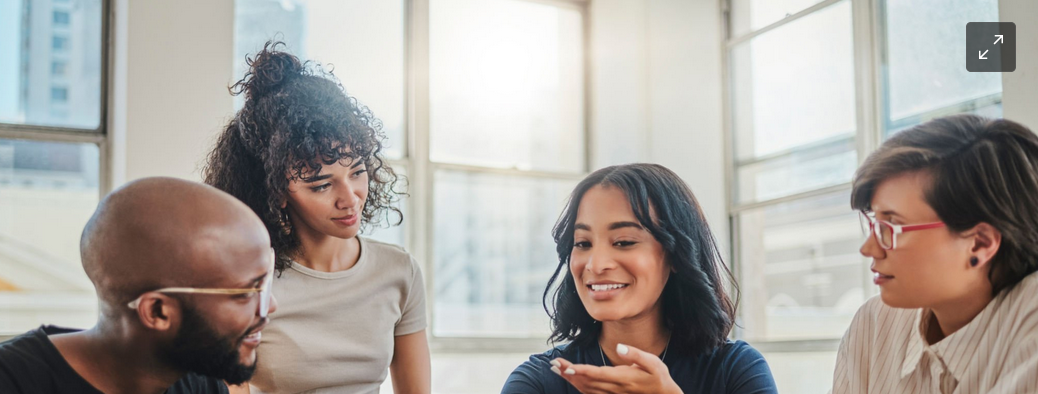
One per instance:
(268,69)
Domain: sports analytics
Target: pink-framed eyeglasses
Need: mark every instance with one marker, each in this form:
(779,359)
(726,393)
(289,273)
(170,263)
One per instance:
(263,290)
(886,232)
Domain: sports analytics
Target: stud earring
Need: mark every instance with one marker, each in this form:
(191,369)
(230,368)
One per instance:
(974,261)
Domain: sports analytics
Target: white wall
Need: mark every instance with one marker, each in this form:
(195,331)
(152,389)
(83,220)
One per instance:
(619,79)
(656,93)
(171,68)
(1020,87)
(685,107)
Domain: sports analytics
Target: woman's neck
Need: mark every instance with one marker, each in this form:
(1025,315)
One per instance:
(952,316)
(321,252)
(645,332)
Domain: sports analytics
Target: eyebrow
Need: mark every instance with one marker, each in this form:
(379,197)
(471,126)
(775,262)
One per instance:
(889,212)
(316,178)
(619,225)
(613,226)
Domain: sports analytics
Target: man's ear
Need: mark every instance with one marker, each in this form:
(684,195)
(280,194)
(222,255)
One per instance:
(986,241)
(157,311)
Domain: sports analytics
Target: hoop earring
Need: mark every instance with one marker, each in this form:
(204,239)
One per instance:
(285,223)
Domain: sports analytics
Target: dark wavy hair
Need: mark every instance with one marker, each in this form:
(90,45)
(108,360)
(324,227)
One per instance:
(696,307)
(297,117)
(983,170)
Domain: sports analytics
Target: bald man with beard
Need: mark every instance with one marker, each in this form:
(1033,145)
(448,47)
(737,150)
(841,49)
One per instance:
(182,272)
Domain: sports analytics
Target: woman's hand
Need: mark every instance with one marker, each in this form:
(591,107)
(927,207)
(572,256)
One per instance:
(647,374)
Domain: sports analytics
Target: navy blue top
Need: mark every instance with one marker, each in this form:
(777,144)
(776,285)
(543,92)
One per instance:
(733,368)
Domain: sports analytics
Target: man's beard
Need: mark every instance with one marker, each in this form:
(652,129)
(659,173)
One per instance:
(199,348)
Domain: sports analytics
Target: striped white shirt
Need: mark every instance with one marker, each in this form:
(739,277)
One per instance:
(885,351)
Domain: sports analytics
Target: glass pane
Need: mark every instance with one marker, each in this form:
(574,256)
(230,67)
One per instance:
(36,35)
(396,235)
(801,275)
(749,15)
(795,85)
(493,252)
(47,193)
(925,69)
(362,40)
(984,107)
(506,76)
(828,164)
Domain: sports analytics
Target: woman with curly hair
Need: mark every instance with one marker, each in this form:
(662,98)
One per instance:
(307,158)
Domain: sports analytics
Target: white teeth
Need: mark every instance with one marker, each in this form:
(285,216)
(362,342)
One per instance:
(607,287)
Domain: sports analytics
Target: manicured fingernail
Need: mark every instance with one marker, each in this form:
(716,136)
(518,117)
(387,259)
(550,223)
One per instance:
(570,372)
(622,349)
(556,370)
(556,363)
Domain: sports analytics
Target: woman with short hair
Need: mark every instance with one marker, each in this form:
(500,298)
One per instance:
(952,210)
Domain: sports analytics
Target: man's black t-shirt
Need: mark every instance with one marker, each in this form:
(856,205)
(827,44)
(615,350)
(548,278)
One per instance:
(30,363)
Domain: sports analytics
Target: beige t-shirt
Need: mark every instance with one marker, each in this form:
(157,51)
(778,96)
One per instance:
(333,332)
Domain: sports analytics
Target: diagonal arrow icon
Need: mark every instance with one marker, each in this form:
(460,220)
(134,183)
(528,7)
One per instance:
(982,55)
(999,39)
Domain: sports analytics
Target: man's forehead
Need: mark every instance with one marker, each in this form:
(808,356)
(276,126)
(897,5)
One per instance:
(231,259)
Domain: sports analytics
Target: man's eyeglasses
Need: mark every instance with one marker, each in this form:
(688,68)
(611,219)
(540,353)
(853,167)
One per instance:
(886,232)
(263,290)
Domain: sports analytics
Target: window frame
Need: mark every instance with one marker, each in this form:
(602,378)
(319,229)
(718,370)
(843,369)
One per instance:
(97,136)
(871,109)
(421,170)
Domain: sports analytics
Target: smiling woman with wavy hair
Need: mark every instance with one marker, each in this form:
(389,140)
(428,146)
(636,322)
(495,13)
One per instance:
(640,296)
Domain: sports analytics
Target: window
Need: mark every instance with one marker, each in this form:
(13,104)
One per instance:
(924,77)
(505,76)
(363,44)
(490,129)
(58,68)
(50,160)
(59,43)
(61,18)
(794,110)
(808,99)
(59,94)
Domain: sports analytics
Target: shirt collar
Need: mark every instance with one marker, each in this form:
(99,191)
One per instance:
(916,344)
(955,350)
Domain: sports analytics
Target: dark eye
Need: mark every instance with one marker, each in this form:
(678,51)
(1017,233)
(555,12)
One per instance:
(582,245)
(244,296)
(321,188)
(624,244)
(357,174)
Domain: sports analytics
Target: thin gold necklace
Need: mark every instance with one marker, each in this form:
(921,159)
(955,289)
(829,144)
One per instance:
(662,357)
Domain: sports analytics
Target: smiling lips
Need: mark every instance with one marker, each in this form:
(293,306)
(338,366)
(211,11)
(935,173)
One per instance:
(253,340)
(601,291)
(606,286)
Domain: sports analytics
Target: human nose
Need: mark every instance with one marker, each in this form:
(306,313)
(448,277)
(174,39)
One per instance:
(871,247)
